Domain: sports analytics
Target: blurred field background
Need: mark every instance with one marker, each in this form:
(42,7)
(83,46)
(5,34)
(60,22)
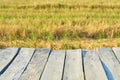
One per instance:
(60,24)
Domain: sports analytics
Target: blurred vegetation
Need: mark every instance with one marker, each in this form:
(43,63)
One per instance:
(59,24)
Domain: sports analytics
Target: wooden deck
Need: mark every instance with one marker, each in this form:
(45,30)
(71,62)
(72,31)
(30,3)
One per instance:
(46,64)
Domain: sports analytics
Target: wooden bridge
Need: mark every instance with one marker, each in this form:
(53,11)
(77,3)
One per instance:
(46,64)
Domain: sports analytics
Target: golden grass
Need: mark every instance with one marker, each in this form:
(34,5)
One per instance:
(60,24)
(89,37)
(63,44)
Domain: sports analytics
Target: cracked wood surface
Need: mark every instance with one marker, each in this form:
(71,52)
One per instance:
(16,68)
(36,65)
(54,66)
(73,65)
(6,55)
(47,64)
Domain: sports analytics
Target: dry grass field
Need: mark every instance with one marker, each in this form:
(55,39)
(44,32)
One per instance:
(60,24)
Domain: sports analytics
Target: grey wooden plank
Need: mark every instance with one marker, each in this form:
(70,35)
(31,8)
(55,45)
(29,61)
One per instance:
(117,53)
(6,55)
(93,67)
(36,65)
(54,66)
(73,66)
(110,63)
(14,71)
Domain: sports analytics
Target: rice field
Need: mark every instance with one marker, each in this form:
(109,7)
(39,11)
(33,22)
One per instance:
(60,24)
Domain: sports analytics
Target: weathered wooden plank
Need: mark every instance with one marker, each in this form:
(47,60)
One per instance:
(6,56)
(36,65)
(93,67)
(19,64)
(54,66)
(117,53)
(110,63)
(73,66)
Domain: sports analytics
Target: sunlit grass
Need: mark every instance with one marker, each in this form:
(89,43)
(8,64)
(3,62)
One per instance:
(59,24)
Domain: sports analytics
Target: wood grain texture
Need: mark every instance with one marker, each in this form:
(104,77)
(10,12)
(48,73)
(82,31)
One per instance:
(6,55)
(18,65)
(93,67)
(110,63)
(73,66)
(36,65)
(117,53)
(54,67)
